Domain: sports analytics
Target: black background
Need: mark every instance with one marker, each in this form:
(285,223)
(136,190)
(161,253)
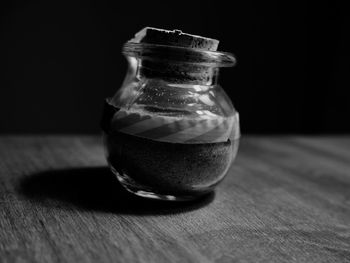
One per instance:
(60,59)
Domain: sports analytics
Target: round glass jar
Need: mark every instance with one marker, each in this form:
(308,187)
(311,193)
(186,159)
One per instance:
(170,131)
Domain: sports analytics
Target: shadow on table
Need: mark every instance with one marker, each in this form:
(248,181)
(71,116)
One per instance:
(97,189)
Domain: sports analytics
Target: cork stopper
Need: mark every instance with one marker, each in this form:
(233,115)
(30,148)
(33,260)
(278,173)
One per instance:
(151,35)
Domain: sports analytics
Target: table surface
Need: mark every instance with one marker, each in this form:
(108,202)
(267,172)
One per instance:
(285,199)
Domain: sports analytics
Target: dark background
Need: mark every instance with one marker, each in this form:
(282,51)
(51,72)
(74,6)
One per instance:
(60,59)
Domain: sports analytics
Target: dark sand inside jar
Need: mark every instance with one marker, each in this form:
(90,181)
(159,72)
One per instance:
(169,168)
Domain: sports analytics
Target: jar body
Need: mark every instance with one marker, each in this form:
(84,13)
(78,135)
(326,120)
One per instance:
(166,139)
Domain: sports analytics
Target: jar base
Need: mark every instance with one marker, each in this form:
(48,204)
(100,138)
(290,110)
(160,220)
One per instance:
(131,186)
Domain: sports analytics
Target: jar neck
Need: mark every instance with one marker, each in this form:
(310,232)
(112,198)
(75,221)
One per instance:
(177,72)
(175,64)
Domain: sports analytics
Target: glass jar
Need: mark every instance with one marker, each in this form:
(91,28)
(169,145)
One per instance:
(170,131)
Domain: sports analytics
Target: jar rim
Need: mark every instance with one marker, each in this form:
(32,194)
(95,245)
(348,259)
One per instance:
(178,54)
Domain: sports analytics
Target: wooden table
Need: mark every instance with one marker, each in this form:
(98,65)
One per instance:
(285,199)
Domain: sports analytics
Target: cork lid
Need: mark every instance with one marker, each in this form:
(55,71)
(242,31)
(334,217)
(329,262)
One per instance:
(151,35)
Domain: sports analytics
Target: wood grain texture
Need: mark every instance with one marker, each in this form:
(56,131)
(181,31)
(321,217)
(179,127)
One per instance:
(285,199)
